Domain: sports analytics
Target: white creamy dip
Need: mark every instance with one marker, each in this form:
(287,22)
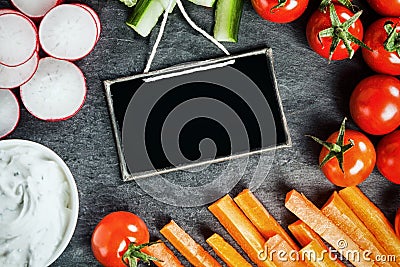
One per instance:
(34,207)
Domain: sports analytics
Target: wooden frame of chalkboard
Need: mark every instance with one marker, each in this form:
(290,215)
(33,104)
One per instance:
(257,65)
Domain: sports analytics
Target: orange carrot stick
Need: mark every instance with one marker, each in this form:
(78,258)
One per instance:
(192,251)
(340,214)
(373,218)
(317,255)
(305,235)
(164,254)
(260,217)
(241,229)
(282,254)
(226,252)
(313,217)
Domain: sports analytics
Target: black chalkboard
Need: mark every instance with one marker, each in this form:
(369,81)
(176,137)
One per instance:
(196,113)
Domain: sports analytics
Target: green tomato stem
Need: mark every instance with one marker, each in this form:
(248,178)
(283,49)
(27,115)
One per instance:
(336,150)
(281,3)
(134,254)
(392,43)
(340,32)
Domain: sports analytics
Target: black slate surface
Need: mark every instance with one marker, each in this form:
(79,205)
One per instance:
(315,97)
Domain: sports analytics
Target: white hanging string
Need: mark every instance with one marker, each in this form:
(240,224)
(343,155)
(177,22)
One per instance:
(197,28)
(188,71)
(191,23)
(159,36)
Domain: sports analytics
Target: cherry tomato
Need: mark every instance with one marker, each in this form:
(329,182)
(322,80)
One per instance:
(379,59)
(358,161)
(389,8)
(114,233)
(375,104)
(347,157)
(320,21)
(288,12)
(397,223)
(388,156)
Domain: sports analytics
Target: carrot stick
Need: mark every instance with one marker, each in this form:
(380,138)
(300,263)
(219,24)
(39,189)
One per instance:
(316,255)
(373,219)
(313,217)
(226,252)
(340,214)
(282,254)
(164,254)
(260,217)
(241,229)
(192,251)
(305,235)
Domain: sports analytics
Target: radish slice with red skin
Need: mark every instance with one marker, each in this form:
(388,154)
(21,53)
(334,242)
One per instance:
(56,91)
(6,10)
(12,11)
(12,77)
(95,16)
(35,9)
(9,112)
(18,39)
(68,32)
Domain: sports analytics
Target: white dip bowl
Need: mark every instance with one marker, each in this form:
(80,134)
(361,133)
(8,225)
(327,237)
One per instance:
(39,204)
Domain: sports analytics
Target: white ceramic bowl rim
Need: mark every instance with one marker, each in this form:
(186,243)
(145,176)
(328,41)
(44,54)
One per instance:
(74,198)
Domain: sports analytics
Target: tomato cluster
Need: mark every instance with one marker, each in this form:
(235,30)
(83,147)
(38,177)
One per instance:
(375,107)
(375,101)
(335,32)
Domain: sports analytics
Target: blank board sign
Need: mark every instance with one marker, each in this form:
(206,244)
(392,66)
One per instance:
(196,113)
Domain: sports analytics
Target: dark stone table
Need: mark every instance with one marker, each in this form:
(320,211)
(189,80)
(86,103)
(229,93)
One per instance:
(315,98)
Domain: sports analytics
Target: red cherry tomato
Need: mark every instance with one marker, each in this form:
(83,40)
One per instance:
(379,59)
(375,104)
(388,8)
(290,11)
(397,223)
(320,21)
(358,161)
(388,157)
(114,233)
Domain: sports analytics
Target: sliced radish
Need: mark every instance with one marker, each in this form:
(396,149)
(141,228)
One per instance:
(34,9)
(11,77)
(12,11)
(9,112)
(6,10)
(95,16)
(56,91)
(68,32)
(18,39)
